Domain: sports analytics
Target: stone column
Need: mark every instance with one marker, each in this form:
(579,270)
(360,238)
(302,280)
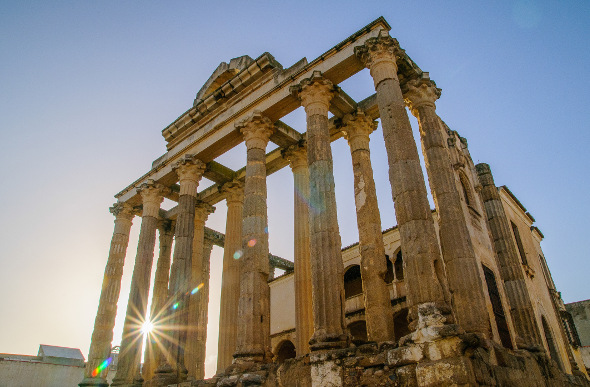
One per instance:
(102,336)
(253,342)
(462,267)
(511,273)
(159,307)
(128,368)
(189,170)
(297,157)
(194,356)
(422,258)
(378,310)
(230,282)
(325,244)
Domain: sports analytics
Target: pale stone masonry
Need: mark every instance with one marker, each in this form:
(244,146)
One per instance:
(459,295)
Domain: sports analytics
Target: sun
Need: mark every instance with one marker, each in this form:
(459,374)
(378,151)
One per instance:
(147,327)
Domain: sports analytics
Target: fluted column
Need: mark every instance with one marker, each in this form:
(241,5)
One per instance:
(194,356)
(230,281)
(422,258)
(511,273)
(159,312)
(297,157)
(102,336)
(462,268)
(378,310)
(253,343)
(173,370)
(128,368)
(325,244)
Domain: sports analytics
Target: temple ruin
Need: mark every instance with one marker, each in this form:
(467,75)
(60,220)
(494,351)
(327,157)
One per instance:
(456,296)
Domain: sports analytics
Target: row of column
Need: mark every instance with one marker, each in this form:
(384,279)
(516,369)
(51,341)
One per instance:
(442,280)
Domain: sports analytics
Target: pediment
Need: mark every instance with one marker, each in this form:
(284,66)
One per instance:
(224,72)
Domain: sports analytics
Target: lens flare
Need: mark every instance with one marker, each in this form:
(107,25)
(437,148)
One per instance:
(197,288)
(101,367)
(147,327)
(266,230)
(252,243)
(238,254)
(175,306)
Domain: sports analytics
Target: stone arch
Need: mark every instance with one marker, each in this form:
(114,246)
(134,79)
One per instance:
(285,350)
(466,190)
(358,331)
(353,284)
(401,324)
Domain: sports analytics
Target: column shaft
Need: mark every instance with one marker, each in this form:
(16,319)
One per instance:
(462,267)
(303,284)
(422,259)
(102,336)
(254,306)
(159,307)
(194,356)
(173,370)
(511,273)
(325,244)
(128,368)
(230,283)
(378,310)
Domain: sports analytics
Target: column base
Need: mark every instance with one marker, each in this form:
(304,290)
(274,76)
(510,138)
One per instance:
(101,382)
(324,341)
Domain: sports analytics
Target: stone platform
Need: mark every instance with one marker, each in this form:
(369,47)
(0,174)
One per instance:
(461,360)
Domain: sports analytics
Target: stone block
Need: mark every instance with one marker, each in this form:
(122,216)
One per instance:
(448,372)
(326,374)
(445,348)
(405,355)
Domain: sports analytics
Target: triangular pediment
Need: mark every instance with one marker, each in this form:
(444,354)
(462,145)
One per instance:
(224,72)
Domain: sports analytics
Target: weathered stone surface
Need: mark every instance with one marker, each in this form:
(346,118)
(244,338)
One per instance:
(102,336)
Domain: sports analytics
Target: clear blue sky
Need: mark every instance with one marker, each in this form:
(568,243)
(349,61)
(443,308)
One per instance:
(87,87)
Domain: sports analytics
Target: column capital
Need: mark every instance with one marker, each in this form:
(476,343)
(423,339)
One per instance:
(357,128)
(315,93)
(234,191)
(189,170)
(420,92)
(256,130)
(123,210)
(297,156)
(202,211)
(152,195)
(379,55)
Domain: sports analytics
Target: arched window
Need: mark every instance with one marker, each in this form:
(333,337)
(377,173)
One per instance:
(358,331)
(466,189)
(400,324)
(398,266)
(389,274)
(286,350)
(353,285)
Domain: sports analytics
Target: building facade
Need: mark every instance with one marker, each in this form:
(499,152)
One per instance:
(459,295)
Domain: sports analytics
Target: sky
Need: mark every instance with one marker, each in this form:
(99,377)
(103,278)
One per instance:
(87,87)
